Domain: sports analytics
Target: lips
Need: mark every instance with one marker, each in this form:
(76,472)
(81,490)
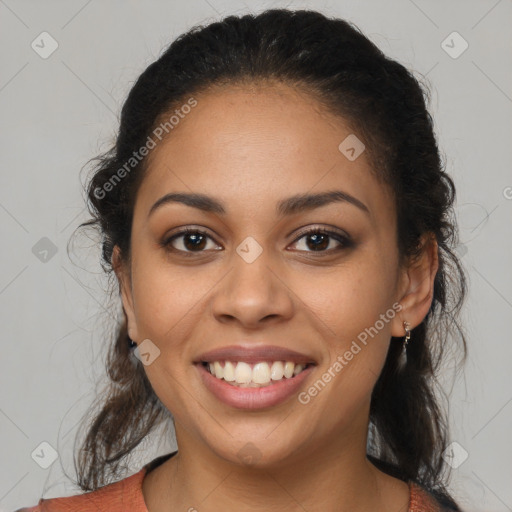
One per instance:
(247,394)
(253,355)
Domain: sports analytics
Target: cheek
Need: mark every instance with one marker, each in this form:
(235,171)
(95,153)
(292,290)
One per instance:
(350,300)
(166,304)
(165,297)
(353,309)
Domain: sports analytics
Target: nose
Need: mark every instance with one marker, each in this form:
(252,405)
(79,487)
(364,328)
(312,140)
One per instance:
(253,294)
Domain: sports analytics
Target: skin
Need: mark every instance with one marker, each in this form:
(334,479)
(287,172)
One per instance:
(249,147)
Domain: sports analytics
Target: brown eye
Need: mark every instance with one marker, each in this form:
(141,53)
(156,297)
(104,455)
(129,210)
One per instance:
(187,241)
(319,240)
(190,241)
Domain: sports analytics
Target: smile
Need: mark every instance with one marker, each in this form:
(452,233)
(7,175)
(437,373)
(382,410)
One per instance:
(253,377)
(261,374)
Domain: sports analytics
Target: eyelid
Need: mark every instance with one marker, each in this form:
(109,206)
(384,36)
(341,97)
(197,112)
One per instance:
(326,228)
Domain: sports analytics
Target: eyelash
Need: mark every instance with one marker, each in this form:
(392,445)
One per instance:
(344,240)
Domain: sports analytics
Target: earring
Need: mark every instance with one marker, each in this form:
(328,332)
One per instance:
(402,360)
(131,343)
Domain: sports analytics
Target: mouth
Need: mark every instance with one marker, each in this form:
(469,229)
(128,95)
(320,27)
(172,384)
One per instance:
(259,375)
(253,378)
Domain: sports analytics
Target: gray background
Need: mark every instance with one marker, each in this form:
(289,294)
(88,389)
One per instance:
(58,112)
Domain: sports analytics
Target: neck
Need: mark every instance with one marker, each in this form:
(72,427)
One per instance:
(336,477)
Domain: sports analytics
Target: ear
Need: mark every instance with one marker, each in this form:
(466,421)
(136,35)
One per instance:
(125,287)
(417,286)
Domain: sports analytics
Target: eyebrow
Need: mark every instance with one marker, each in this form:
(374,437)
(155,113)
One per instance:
(290,206)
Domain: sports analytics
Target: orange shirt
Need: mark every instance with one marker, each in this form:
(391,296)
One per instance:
(126,496)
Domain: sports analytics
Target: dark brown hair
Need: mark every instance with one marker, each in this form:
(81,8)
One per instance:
(386,106)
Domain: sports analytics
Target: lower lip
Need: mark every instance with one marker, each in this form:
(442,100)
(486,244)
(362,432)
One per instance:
(253,398)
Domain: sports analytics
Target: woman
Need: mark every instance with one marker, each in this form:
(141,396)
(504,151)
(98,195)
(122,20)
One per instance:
(279,222)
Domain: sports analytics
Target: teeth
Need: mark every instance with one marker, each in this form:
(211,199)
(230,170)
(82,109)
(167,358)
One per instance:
(243,373)
(229,371)
(288,369)
(298,368)
(219,371)
(261,374)
(277,370)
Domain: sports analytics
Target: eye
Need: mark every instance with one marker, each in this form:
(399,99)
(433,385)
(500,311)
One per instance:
(319,240)
(196,241)
(190,240)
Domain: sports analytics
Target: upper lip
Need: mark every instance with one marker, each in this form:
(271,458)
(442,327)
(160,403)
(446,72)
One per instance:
(254,354)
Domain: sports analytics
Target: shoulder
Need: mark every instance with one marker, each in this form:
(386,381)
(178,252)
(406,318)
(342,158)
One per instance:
(423,500)
(119,496)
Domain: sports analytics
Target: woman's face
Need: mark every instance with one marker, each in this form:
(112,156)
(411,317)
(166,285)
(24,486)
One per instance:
(255,288)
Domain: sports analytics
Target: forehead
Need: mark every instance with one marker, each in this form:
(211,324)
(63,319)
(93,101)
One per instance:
(254,145)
